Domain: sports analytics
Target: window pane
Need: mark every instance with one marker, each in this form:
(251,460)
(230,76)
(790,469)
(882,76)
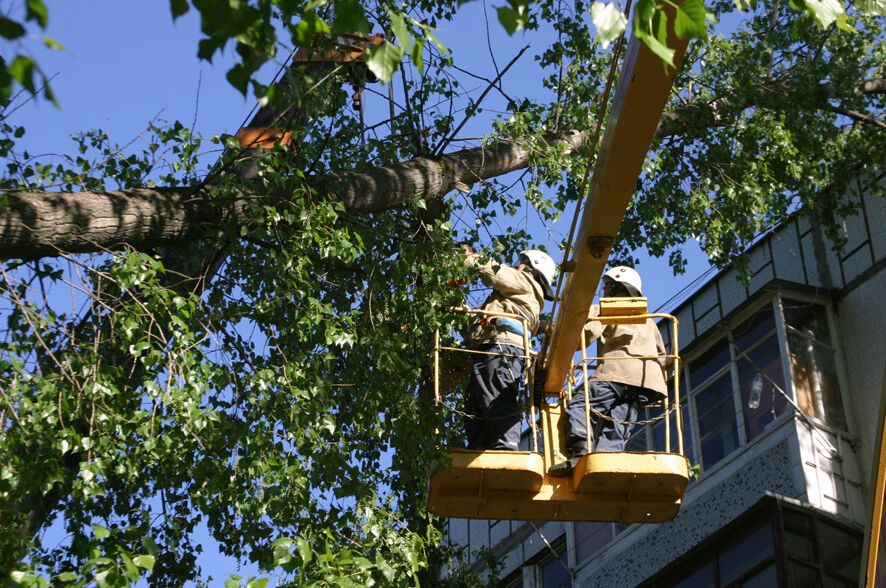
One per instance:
(590,538)
(806,316)
(702,578)
(716,421)
(754,548)
(802,576)
(757,327)
(799,535)
(761,402)
(637,440)
(765,578)
(712,361)
(837,582)
(840,551)
(658,434)
(555,573)
(813,363)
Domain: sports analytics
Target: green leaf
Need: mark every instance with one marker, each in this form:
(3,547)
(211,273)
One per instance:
(309,26)
(845,23)
(100,532)
(417,55)
(282,554)
(691,22)
(609,21)
(657,47)
(131,569)
(51,43)
(36,11)
(257,583)
(178,7)
(239,77)
(512,18)
(150,545)
(437,42)
(872,7)
(144,561)
(232,584)
(825,11)
(401,33)
(350,18)
(384,60)
(206,48)
(11,29)
(304,550)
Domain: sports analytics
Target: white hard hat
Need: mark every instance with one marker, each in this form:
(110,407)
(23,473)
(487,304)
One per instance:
(628,277)
(545,266)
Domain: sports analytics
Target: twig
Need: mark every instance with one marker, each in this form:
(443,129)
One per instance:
(473,109)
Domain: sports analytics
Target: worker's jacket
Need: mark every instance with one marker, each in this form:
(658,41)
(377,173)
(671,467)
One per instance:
(628,341)
(514,292)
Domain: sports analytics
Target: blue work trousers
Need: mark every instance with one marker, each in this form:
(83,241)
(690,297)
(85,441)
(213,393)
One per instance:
(618,401)
(493,413)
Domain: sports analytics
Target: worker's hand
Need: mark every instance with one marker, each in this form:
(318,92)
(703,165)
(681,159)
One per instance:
(466,247)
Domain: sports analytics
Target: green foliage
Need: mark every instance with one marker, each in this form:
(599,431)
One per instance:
(22,69)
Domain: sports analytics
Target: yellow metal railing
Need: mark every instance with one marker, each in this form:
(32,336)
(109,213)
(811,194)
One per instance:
(586,360)
(527,357)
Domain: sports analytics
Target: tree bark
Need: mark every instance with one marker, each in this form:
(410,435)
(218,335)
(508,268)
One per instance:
(41,224)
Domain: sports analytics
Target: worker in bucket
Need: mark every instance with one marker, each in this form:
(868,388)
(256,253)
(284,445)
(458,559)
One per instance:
(493,412)
(619,387)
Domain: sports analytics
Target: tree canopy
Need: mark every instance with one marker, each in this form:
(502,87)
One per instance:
(244,344)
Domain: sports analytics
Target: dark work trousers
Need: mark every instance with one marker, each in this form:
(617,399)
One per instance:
(619,401)
(492,404)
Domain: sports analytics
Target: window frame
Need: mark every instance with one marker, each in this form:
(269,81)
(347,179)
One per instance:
(835,344)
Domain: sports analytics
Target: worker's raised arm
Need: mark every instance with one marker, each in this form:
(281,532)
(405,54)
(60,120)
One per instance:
(506,280)
(593,328)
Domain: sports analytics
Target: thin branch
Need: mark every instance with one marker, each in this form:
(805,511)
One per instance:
(438,151)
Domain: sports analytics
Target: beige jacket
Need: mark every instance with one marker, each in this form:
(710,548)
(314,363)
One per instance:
(514,292)
(628,341)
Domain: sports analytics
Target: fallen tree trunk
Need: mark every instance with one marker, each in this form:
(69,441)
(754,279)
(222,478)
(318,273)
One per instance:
(41,224)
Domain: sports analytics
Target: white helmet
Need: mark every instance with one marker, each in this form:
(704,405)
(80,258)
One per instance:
(545,266)
(628,277)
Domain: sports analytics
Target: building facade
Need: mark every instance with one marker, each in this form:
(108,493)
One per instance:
(782,379)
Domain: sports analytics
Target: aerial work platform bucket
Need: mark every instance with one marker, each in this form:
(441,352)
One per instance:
(512,485)
(624,487)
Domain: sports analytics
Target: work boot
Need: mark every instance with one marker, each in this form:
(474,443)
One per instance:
(564,468)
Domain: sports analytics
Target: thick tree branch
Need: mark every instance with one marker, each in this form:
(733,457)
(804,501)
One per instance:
(36,225)
(713,113)
(858,116)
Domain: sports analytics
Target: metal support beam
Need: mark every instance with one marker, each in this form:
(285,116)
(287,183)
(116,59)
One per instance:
(643,89)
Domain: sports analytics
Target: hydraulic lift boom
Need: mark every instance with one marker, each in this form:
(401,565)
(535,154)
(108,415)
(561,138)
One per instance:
(643,89)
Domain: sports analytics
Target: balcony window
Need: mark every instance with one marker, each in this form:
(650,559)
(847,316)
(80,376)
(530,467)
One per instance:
(590,538)
(760,375)
(813,362)
(715,416)
(709,363)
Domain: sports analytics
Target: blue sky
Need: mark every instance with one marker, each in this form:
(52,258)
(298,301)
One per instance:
(128,64)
